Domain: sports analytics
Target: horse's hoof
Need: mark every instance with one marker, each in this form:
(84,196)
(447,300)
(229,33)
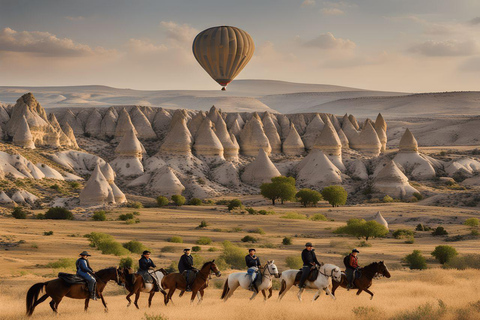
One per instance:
(371,298)
(106,310)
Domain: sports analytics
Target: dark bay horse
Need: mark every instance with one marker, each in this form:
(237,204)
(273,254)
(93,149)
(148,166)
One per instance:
(365,281)
(174,281)
(135,284)
(57,289)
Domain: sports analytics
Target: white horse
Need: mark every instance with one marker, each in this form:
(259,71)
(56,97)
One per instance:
(242,279)
(325,272)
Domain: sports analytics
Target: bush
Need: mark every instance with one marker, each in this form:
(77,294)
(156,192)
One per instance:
(135,204)
(126,216)
(233,256)
(308,196)
(99,216)
(472,222)
(364,244)
(147,316)
(251,211)
(203,224)
(168,249)
(195,202)
(421,227)
(40,216)
(64,263)
(257,230)
(178,200)
(287,241)
(403,233)
(58,213)
(410,240)
(196,248)
(464,262)
(415,260)
(282,188)
(249,239)
(294,215)
(107,244)
(387,199)
(418,195)
(212,249)
(439,231)
(318,217)
(48,233)
(74,184)
(444,253)
(265,212)
(294,262)
(162,201)
(19,213)
(126,262)
(135,246)
(172,267)
(233,204)
(204,241)
(335,195)
(363,229)
(175,239)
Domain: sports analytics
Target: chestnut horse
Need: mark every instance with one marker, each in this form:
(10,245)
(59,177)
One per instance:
(365,281)
(135,284)
(57,289)
(174,281)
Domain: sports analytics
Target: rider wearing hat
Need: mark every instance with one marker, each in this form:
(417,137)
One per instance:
(144,266)
(253,262)
(309,260)
(86,272)
(351,267)
(186,264)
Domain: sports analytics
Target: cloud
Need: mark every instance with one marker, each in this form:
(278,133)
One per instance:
(447,48)
(78,18)
(475,21)
(332,12)
(45,44)
(308,3)
(145,46)
(327,41)
(181,33)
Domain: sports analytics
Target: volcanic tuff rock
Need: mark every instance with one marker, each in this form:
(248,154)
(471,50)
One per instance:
(260,170)
(391,181)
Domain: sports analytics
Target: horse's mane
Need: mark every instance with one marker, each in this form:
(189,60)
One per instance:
(205,264)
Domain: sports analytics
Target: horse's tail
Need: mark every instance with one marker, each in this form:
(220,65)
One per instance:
(225,289)
(32,296)
(283,287)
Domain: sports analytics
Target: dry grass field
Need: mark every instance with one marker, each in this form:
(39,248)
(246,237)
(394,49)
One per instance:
(430,294)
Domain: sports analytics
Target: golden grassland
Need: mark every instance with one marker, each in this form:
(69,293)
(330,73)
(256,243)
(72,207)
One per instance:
(406,291)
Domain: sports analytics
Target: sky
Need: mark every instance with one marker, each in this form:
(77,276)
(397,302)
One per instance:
(391,45)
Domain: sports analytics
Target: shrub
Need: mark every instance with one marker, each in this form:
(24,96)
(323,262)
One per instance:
(40,216)
(48,233)
(107,244)
(19,213)
(364,244)
(265,212)
(410,240)
(55,187)
(203,224)
(99,216)
(126,262)
(294,215)
(175,239)
(135,246)
(464,262)
(403,233)
(294,262)
(308,196)
(233,204)
(472,222)
(178,200)
(196,248)
(147,316)
(415,260)
(204,241)
(195,202)
(282,188)
(172,267)
(318,217)
(444,253)
(248,238)
(287,241)
(162,201)
(387,199)
(335,195)
(64,263)
(251,211)
(135,204)
(421,227)
(363,229)
(58,213)
(74,184)
(233,256)
(168,249)
(257,230)
(212,249)
(126,216)
(425,311)
(418,195)
(439,231)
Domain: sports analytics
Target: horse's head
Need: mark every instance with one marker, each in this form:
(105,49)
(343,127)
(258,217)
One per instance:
(121,279)
(337,274)
(272,268)
(383,270)
(214,269)
(333,271)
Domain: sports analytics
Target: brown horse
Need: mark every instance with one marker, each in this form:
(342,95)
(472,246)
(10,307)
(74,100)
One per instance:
(57,289)
(174,281)
(135,284)
(365,281)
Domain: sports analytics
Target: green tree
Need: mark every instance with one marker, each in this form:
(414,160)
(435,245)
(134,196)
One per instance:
(415,260)
(195,202)
(363,229)
(308,196)
(234,203)
(282,188)
(59,213)
(444,253)
(335,195)
(178,200)
(162,201)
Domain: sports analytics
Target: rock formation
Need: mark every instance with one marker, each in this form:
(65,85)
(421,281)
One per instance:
(381,129)
(368,142)
(229,142)
(391,181)
(23,137)
(313,130)
(253,138)
(97,190)
(260,170)
(207,143)
(129,153)
(317,170)
(379,218)
(141,124)
(109,123)
(178,140)
(293,144)
(272,134)
(329,142)
(124,124)
(164,182)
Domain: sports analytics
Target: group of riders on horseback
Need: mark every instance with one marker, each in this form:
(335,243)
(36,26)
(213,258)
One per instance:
(185,267)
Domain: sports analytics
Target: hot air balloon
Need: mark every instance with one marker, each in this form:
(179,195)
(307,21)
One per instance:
(223,52)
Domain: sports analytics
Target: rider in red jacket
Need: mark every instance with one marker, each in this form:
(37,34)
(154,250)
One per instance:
(352,266)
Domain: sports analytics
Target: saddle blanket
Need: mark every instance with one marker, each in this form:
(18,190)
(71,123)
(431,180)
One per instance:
(71,278)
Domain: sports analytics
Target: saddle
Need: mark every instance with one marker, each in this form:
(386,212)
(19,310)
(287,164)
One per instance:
(71,279)
(258,279)
(147,277)
(190,276)
(311,277)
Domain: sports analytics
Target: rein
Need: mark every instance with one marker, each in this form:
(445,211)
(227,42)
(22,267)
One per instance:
(326,275)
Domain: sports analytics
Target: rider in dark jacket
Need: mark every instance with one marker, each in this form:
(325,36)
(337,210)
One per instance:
(252,262)
(309,259)
(86,272)
(186,264)
(351,267)
(144,266)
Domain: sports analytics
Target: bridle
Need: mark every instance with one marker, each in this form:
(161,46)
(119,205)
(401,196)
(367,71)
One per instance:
(265,269)
(210,272)
(331,272)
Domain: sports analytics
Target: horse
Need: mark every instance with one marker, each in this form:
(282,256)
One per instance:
(57,289)
(174,281)
(242,279)
(322,282)
(365,281)
(135,284)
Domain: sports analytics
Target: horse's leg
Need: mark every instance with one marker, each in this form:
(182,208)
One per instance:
(43,298)
(137,296)
(334,287)
(202,293)
(264,295)
(270,290)
(128,299)
(253,295)
(52,305)
(152,293)
(103,301)
(317,295)
(369,292)
(169,295)
(299,294)
(86,304)
(282,293)
(359,291)
(327,291)
(230,291)
(192,298)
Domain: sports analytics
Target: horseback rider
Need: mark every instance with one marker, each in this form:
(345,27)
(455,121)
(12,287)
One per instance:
(309,259)
(352,266)
(253,262)
(144,266)
(186,264)
(86,272)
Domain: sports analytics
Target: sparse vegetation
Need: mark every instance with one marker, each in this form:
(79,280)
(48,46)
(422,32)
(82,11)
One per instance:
(403,233)
(363,229)
(106,244)
(257,230)
(294,216)
(439,231)
(59,213)
(203,224)
(308,197)
(234,204)
(281,188)
(134,204)
(472,222)
(169,249)
(48,233)
(335,195)
(175,239)
(249,238)
(468,261)
(287,241)
(178,200)
(126,262)
(126,216)
(196,248)
(318,217)
(444,253)
(232,256)
(387,199)
(99,215)
(19,213)
(64,263)
(135,246)
(204,241)
(416,260)
(195,202)
(162,201)
(294,262)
